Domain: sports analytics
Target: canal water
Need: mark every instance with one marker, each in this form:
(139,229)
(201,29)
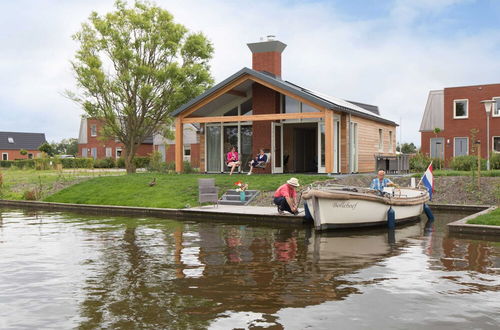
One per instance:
(63,270)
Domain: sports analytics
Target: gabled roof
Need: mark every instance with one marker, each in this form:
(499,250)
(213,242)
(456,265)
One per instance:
(318,98)
(27,141)
(434,112)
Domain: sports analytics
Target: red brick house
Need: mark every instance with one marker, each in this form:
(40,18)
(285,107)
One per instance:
(90,144)
(302,130)
(11,144)
(455,111)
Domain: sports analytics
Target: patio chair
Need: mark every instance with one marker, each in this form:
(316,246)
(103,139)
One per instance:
(208,192)
(264,165)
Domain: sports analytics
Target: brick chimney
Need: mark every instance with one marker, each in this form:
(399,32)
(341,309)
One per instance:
(266,55)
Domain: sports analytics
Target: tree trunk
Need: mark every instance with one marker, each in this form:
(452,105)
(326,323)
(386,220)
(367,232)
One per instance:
(129,159)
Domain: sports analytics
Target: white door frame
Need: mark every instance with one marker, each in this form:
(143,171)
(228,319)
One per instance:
(336,144)
(321,167)
(275,126)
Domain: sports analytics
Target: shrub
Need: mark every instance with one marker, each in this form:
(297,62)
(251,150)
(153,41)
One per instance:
(77,162)
(120,163)
(155,162)
(495,161)
(141,162)
(188,168)
(104,163)
(30,195)
(419,162)
(42,164)
(466,163)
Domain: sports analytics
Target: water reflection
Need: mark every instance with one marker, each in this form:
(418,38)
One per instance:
(132,273)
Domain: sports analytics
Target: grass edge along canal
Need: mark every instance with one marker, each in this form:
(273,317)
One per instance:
(170,191)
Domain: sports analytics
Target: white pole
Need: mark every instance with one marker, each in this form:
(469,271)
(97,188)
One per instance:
(488,141)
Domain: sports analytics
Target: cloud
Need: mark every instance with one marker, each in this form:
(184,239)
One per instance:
(391,59)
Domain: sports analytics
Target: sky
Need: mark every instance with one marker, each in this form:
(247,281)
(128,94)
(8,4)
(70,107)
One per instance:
(389,53)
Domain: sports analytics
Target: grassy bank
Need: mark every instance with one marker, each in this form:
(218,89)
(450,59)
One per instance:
(17,183)
(170,191)
(492,219)
(438,173)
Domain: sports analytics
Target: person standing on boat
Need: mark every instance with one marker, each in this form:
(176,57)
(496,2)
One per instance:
(380,182)
(285,197)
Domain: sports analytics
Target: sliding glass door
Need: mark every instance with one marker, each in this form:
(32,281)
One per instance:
(219,141)
(213,147)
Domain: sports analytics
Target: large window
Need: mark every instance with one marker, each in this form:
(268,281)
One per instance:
(390,141)
(496,107)
(460,109)
(93,130)
(496,143)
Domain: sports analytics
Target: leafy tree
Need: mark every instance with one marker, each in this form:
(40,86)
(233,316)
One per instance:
(407,148)
(66,147)
(47,148)
(134,67)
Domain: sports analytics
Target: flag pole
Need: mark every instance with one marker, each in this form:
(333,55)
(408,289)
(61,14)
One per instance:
(419,182)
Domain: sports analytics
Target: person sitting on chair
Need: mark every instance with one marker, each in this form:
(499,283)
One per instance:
(379,183)
(285,197)
(260,159)
(232,159)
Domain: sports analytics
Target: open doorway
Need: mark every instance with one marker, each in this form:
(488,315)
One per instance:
(300,154)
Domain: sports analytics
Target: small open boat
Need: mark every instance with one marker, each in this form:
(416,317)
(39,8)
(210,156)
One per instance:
(347,207)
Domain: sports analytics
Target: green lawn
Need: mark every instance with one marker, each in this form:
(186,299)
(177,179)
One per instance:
(15,182)
(491,173)
(492,219)
(170,191)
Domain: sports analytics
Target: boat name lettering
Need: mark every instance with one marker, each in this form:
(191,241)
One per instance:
(345,205)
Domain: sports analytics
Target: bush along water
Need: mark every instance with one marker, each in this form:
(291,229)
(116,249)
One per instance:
(419,162)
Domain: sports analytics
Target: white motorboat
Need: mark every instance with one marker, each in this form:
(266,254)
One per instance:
(347,207)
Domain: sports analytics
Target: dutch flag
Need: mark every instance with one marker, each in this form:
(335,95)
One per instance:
(428,180)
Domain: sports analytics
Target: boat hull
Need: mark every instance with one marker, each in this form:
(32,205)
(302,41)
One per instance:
(347,210)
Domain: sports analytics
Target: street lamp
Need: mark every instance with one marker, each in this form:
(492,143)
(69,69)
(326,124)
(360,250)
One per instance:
(487,107)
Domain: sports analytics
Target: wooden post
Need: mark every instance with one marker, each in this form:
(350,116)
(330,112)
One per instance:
(479,166)
(328,141)
(179,145)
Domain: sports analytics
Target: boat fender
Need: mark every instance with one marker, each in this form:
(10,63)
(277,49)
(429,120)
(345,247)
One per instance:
(428,212)
(307,214)
(391,218)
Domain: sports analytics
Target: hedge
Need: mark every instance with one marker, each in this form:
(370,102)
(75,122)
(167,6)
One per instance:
(466,163)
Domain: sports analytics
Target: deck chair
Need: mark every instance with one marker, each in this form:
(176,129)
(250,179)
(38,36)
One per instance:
(208,192)
(264,165)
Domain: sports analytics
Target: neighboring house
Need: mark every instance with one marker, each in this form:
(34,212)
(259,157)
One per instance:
(92,144)
(303,130)
(11,144)
(456,111)
(191,150)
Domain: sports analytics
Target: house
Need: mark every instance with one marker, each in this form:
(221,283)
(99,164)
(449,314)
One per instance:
(191,150)
(11,144)
(455,111)
(91,144)
(302,130)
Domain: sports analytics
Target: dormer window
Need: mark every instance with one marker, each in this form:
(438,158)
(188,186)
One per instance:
(11,140)
(460,109)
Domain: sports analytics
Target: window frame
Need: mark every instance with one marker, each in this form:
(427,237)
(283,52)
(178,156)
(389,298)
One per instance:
(93,130)
(497,103)
(380,140)
(455,109)
(5,154)
(493,144)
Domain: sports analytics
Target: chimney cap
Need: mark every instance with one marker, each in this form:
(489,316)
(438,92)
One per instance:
(269,45)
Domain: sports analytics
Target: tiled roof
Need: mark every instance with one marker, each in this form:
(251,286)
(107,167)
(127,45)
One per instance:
(17,140)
